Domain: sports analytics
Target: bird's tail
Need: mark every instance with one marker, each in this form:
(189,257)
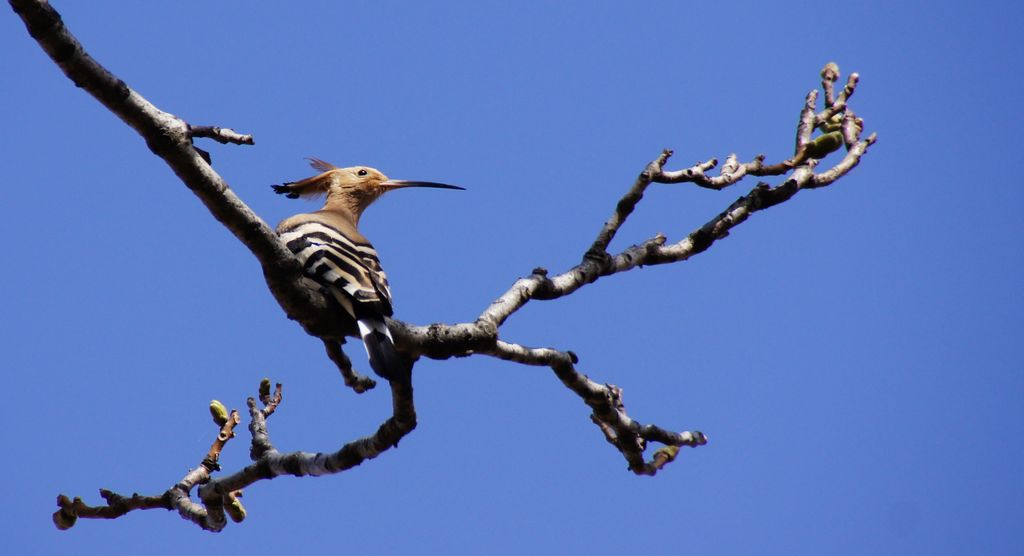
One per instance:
(384,360)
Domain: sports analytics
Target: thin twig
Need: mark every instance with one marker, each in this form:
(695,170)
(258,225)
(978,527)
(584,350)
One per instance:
(222,135)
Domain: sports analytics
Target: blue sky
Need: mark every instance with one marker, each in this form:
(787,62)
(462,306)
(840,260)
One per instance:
(850,353)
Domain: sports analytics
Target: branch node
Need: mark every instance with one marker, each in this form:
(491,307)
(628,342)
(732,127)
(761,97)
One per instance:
(203,155)
(234,507)
(602,258)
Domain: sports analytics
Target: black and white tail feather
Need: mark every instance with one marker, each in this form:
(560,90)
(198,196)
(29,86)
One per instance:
(380,348)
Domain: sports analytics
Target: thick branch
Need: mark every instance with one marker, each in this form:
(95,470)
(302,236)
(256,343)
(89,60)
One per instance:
(170,138)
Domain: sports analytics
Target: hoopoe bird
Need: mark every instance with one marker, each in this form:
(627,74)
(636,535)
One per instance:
(341,261)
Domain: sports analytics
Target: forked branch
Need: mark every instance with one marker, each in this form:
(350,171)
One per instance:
(219,497)
(171,138)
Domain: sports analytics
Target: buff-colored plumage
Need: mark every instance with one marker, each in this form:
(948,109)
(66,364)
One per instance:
(339,260)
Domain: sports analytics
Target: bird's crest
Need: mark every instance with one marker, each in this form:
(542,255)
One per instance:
(313,187)
(320,164)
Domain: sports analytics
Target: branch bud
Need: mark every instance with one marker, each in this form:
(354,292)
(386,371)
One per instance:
(234,508)
(825,144)
(667,453)
(64,520)
(219,413)
(835,123)
(830,72)
(65,517)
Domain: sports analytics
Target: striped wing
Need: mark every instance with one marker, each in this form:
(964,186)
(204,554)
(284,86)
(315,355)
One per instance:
(350,269)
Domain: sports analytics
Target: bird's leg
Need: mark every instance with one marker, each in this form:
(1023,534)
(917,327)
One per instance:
(359,383)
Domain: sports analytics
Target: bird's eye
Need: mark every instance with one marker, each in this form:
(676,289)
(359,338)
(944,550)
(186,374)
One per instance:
(362,172)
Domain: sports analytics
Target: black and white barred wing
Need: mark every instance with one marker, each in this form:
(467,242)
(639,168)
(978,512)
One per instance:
(349,269)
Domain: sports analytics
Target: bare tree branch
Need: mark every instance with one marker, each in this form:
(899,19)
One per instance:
(222,135)
(609,411)
(219,497)
(171,138)
(175,497)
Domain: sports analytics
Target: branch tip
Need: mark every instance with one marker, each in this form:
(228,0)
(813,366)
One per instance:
(664,156)
(219,413)
(234,507)
(222,135)
(65,517)
(830,72)
(811,99)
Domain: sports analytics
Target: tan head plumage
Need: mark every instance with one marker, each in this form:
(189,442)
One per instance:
(352,189)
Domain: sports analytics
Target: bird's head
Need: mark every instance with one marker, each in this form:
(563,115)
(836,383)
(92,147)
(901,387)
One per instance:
(352,188)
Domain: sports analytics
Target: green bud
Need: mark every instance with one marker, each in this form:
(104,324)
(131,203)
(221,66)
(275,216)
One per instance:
(667,452)
(835,123)
(235,510)
(219,413)
(825,144)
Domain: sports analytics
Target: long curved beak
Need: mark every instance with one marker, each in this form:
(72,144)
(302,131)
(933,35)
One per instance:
(396,184)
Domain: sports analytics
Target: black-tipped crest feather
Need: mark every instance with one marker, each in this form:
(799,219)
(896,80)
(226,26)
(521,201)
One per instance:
(284,189)
(313,187)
